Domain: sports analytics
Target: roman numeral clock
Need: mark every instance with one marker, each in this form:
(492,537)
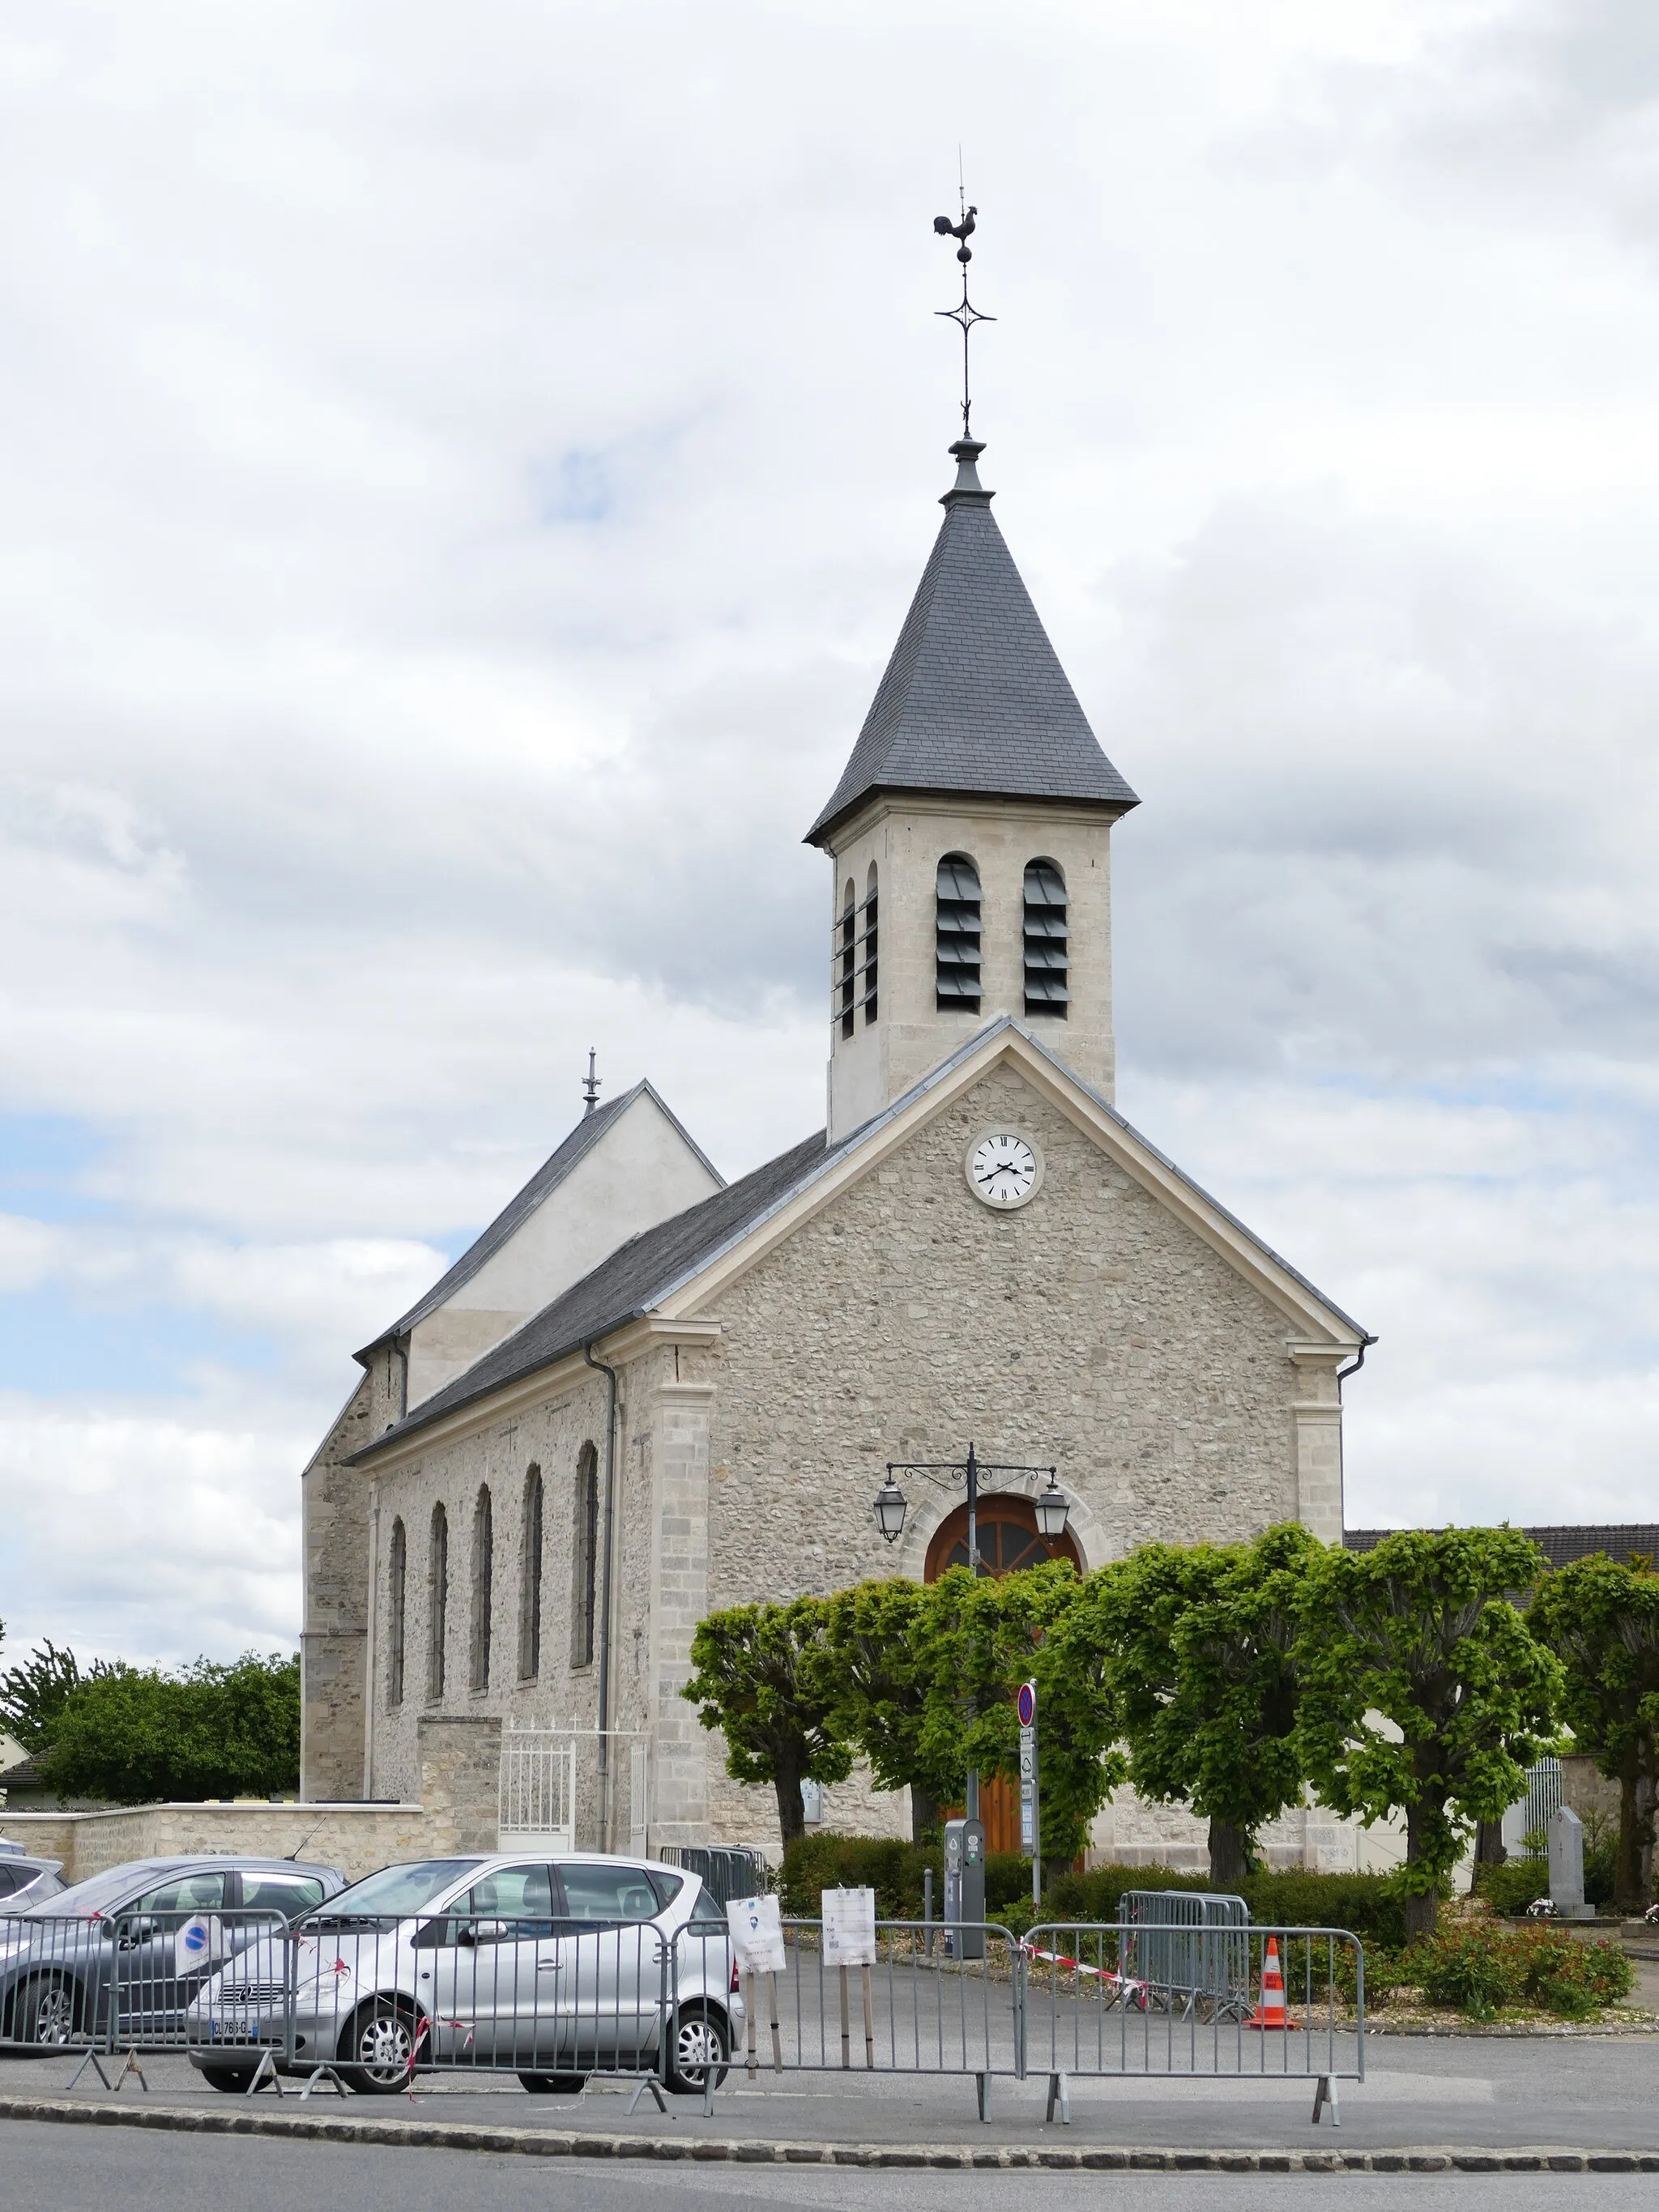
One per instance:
(1004,1170)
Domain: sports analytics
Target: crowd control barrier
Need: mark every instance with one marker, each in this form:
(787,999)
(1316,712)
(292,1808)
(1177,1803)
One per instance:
(370,2004)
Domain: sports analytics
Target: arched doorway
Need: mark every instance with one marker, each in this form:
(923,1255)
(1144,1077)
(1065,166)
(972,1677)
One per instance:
(1008,1541)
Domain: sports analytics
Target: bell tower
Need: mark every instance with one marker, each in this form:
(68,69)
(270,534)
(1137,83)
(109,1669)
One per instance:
(969,835)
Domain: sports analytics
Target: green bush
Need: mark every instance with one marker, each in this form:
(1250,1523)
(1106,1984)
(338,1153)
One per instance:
(1366,1904)
(1477,1967)
(1511,1887)
(895,1871)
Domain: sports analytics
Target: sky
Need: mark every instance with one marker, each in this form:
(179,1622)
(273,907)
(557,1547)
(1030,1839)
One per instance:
(464,472)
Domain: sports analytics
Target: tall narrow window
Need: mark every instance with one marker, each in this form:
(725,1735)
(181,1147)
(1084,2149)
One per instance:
(957,935)
(397,1595)
(871,920)
(484,1578)
(586,1554)
(847,957)
(530,1580)
(1048,960)
(437,1595)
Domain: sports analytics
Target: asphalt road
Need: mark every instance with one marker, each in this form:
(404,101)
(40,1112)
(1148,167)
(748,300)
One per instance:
(74,2169)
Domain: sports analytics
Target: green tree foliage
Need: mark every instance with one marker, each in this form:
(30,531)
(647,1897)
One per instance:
(136,1734)
(32,1694)
(761,1679)
(1602,1620)
(1423,1689)
(1189,1651)
(875,1684)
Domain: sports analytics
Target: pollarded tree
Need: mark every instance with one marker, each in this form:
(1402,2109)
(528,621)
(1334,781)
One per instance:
(760,1680)
(1424,1691)
(875,1681)
(1192,1646)
(1602,1620)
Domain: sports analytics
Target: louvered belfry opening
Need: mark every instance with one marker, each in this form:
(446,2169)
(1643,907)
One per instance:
(1048,956)
(856,957)
(957,978)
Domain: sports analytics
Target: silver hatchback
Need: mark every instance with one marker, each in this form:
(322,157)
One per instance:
(551,1969)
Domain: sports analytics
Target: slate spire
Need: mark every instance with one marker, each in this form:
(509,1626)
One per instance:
(974,699)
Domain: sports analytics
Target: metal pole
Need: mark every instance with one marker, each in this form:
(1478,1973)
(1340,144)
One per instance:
(973,1569)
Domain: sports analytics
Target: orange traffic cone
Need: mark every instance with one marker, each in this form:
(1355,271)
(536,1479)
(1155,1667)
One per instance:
(1270,2011)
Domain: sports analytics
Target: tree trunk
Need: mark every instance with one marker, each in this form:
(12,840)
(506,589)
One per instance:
(1488,1850)
(1633,1874)
(1422,1908)
(1228,1859)
(924,1815)
(791,1810)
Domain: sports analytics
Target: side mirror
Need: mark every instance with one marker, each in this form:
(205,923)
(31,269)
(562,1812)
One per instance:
(481,1931)
(133,1932)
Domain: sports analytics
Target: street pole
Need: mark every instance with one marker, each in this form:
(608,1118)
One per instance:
(973,1568)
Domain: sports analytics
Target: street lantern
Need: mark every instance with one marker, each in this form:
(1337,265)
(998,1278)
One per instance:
(1051,1507)
(890,1503)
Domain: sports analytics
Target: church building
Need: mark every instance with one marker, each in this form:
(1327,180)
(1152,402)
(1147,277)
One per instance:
(646,1393)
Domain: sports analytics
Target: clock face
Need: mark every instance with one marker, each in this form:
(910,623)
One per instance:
(1004,1169)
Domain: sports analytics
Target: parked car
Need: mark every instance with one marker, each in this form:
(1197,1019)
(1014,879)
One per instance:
(550,1971)
(25,1880)
(114,1939)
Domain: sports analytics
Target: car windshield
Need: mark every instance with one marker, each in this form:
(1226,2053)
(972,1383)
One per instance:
(396,1891)
(99,1893)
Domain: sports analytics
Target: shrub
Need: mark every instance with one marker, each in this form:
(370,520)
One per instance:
(1511,1887)
(895,1871)
(1469,1967)
(1478,1968)
(1366,1904)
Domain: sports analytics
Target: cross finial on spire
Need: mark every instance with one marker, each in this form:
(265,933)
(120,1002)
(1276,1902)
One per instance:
(591,1086)
(965,313)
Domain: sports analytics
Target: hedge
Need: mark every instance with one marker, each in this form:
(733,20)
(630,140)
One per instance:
(894,1871)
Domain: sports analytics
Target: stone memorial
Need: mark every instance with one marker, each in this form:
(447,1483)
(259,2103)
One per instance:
(1567,1865)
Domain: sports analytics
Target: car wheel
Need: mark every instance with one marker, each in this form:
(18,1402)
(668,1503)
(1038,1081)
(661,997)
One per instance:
(378,2047)
(700,2044)
(233,2080)
(48,2011)
(554,2085)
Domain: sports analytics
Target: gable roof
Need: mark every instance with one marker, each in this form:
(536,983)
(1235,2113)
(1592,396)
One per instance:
(974,699)
(518,1210)
(640,1276)
(1561,1543)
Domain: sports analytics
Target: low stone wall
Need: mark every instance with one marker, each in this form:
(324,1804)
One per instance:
(456,1812)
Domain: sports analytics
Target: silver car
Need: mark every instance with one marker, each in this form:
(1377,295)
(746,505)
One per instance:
(25,1880)
(553,1970)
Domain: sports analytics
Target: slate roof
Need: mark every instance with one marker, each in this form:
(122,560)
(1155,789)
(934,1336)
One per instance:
(518,1210)
(974,699)
(640,1274)
(1560,1544)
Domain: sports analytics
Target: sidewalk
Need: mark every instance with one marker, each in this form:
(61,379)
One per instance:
(1471,2098)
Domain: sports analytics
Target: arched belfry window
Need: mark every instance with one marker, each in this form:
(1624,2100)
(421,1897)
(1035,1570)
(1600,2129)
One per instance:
(483,1578)
(530,1579)
(855,956)
(956,959)
(437,1599)
(1048,960)
(585,1590)
(397,1599)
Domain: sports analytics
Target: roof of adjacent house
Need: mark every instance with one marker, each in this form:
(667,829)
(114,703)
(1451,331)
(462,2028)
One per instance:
(541,1185)
(636,1278)
(974,699)
(1560,1544)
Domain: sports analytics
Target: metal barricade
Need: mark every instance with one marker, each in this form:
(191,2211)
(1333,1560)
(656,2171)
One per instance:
(728,1871)
(1292,2006)
(1188,1947)
(913,2011)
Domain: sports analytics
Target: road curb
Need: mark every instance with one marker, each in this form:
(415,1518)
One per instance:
(573,2143)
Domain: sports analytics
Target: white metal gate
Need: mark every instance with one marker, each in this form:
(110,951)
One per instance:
(537,1802)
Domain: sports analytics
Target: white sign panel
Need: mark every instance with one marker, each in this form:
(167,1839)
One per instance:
(849,1927)
(198,1943)
(756,1928)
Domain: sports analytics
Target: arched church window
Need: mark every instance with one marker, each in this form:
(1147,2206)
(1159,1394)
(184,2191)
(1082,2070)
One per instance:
(871,920)
(585,1550)
(397,1595)
(437,1593)
(956,981)
(847,955)
(483,1576)
(530,1580)
(1048,956)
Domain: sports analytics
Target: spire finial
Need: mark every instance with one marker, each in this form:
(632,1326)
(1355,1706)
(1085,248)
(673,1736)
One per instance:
(591,1087)
(965,313)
